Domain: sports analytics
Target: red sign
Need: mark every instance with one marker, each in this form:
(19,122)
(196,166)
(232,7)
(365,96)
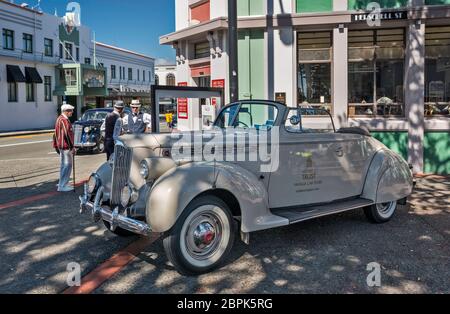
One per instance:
(218,83)
(183,104)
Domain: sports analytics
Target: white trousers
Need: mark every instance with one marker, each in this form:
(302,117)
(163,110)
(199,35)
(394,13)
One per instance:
(66,158)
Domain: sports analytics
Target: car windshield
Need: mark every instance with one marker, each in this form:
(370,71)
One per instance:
(248,116)
(95,116)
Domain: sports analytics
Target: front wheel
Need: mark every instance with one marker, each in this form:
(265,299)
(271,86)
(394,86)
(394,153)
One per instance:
(100,148)
(381,213)
(202,238)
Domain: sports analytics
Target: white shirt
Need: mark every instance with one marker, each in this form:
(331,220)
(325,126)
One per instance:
(146,118)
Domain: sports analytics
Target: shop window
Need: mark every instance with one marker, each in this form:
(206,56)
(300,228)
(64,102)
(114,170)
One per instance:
(250,7)
(437,71)
(12,92)
(308,6)
(200,12)
(314,70)
(30,92)
(47,88)
(201,50)
(437,2)
(376,72)
(384,4)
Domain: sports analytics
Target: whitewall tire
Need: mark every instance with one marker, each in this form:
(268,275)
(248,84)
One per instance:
(381,213)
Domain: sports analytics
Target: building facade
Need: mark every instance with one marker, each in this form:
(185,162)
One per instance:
(44,61)
(386,67)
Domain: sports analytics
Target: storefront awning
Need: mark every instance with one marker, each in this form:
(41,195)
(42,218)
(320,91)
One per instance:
(32,76)
(14,74)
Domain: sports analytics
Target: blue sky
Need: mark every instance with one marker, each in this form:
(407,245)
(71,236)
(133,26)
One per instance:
(131,24)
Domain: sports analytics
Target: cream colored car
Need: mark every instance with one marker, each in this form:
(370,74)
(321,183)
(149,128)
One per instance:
(271,167)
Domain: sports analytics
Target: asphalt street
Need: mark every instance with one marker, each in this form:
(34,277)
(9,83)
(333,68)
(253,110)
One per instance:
(42,232)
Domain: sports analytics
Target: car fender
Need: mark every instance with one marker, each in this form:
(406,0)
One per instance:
(389,178)
(104,173)
(176,189)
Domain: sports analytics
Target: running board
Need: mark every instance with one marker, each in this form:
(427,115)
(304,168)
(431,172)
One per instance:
(295,215)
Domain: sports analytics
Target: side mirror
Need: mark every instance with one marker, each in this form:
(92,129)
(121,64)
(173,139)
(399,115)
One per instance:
(294,120)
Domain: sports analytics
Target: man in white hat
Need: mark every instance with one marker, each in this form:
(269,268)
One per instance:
(63,140)
(113,128)
(137,122)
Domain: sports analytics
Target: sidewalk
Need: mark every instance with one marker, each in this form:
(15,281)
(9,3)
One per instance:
(22,133)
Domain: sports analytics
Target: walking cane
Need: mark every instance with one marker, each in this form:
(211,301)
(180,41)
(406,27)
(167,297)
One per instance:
(73,168)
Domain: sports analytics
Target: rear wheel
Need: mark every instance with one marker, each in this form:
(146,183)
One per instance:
(202,238)
(381,213)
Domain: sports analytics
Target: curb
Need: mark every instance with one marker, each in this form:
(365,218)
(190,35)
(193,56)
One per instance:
(23,133)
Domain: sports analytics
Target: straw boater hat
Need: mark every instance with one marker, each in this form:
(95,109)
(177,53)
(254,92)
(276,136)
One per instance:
(136,103)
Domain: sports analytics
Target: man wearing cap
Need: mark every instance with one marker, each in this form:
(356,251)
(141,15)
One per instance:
(137,122)
(113,128)
(64,142)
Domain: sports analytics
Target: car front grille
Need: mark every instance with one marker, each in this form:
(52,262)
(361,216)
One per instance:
(121,172)
(78,130)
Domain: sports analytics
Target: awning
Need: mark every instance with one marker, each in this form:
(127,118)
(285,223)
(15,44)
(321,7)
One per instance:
(32,76)
(14,74)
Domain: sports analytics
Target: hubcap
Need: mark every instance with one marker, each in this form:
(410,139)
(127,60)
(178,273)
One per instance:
(203,235)
(386,209)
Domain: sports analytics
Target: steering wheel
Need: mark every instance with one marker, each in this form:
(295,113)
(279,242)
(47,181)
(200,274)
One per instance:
(244,124)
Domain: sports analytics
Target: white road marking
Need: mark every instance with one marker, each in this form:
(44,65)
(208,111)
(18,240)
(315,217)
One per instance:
(27,143)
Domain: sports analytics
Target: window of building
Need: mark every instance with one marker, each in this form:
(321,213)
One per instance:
(201,50)
(250,7)
(69,51)
(27,43)
(376,72)
(12,92)
(384,4)
(130,74)
(170,80)
(87,60)
(47,88)
(156,79)
(201,12)
(77,54)
(8,39)
(314,70)
(68,77)
(143,75)
(437,71)
(30,91)
(60,51)
(48,47)
(113,72)
(138,75)
(308,6)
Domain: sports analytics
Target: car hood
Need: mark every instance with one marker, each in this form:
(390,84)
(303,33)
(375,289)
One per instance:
(163,140)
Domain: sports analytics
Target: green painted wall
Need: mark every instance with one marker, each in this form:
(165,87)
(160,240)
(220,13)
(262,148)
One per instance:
(306,6)
(437,152)
(396,141)
(386,4)
(250,7)
(73,37)
(251,64)
(436,2)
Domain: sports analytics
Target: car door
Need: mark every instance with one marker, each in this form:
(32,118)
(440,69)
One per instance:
(317,167)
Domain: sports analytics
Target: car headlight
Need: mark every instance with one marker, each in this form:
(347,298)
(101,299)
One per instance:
(87,129)
(145,171)
(93,183)
(128,196)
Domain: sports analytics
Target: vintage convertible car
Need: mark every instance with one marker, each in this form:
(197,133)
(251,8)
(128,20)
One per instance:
(199,205)
(89,130)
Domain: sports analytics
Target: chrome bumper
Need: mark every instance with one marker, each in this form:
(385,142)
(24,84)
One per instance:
(85,145)
(114,218)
